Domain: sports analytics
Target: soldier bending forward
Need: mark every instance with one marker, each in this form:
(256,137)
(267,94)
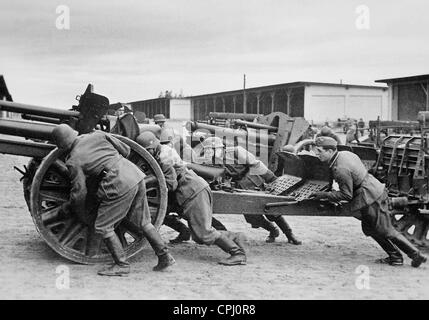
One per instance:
(121,191)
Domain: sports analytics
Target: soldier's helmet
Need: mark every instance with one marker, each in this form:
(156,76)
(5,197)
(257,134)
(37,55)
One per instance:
(325,131)
(288,148)
(159,118)
(212,142)
(147,140)
(167,135)
(64,136)
(325,142)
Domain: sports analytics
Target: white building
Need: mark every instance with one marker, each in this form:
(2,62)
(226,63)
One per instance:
(316,102)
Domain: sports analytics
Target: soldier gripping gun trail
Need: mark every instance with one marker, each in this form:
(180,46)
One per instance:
(368,195)
(193,198)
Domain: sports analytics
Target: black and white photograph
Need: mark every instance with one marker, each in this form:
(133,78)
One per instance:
(212,150)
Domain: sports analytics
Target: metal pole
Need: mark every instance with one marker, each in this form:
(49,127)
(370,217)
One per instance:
(244,95)
(427,96)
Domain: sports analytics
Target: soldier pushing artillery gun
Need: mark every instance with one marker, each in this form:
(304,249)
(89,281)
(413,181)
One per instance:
(47,184)
(247,173)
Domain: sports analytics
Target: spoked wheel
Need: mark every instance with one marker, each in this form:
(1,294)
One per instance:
(72,234)
(415,227)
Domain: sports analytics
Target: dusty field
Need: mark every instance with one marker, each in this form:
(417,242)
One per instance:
(324,267)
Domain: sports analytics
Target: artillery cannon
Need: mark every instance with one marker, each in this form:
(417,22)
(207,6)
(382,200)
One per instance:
(402,163)
(264,138)
(405,172)
(46,183)
(229,115)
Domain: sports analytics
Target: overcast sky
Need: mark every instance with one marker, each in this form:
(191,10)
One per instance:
(132,50)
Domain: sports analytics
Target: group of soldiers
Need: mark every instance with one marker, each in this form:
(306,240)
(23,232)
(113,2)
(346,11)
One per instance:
(121,193)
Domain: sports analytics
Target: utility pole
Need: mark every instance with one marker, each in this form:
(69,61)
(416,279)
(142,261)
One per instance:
(244,95)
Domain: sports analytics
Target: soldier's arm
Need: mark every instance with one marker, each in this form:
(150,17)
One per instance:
(256,166)
(122,148)
(169,174)
(345,183)
(269,176)
(78,187)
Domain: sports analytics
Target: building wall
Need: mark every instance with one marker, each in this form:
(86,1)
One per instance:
(410,100)
(258,100)
(328,103)
(180,109)
(152,107)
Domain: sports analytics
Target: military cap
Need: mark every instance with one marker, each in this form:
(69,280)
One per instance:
(288,148)
(323,141)
(159,118)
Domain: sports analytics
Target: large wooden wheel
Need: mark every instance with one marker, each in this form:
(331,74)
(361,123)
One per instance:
(71,234)
(415,227)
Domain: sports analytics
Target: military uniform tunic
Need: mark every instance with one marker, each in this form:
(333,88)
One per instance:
(121,190)
(192,195)
(248,173)
(366,193)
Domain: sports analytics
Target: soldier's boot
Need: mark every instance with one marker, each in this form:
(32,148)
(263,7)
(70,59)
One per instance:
(94,244)
(237,254)
(165,259)
(394,255)
(271,227)
(287,230)
(218,225)
(121,267)
(410,250)
(174,223)
(237,237)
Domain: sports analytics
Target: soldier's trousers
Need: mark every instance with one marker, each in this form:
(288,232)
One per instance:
(199,211)
(256,221)
(376,219)
(132,205)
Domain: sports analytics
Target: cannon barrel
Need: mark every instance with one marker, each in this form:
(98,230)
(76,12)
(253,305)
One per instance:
(221,131)
(243,116)
(37,110)
(26,129)
(207,172)
(154,128)
(256,125)
(41,119)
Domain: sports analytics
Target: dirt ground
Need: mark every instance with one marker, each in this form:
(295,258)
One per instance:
(326,266)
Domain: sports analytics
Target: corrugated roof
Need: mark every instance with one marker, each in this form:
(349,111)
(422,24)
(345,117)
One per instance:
(295,84)
(418,78)
(292,85)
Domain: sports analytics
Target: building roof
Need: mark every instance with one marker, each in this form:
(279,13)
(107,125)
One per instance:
(296,84)
(4,92)
(419,78)
(153,99)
